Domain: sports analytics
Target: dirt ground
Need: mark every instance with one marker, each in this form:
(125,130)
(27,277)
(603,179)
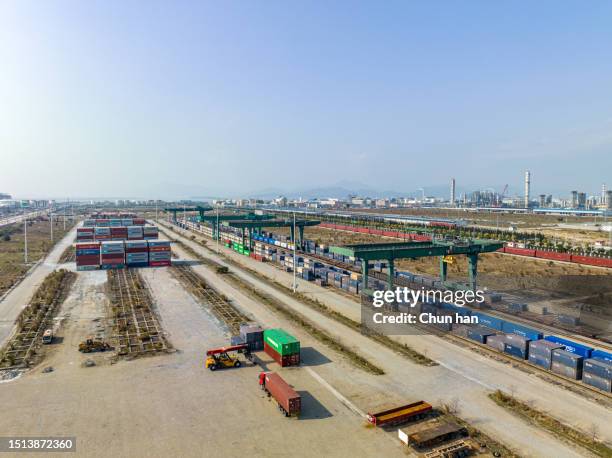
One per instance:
(12,265)
(170,405)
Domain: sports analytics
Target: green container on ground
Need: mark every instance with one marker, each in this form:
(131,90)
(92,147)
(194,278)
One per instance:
(282,342)
(247,252)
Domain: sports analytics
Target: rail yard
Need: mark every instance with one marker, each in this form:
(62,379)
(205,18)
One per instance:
(257,320)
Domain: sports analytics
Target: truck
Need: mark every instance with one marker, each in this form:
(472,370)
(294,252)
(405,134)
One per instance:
(399,415)
(288,400)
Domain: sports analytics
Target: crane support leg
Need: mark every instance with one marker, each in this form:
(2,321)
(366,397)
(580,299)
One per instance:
(473,270)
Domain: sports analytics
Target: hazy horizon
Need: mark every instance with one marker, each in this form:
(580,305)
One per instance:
(156,99)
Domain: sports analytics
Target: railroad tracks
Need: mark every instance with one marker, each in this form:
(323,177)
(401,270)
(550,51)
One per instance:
(210,298)
(137,330)
(20,351)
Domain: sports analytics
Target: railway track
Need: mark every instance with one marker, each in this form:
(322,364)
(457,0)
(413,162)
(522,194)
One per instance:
(218,304)
(137,330)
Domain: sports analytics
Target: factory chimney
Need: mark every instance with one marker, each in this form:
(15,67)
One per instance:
(527,187)
(603,194)
(452,192)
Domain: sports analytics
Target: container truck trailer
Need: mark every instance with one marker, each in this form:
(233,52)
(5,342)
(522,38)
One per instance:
(399,415)
(289,401)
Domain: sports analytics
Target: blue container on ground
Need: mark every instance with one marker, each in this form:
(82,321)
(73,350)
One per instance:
(599,367)
(138,264)
(515,351)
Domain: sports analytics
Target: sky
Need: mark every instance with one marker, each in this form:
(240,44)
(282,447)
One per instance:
(155,99)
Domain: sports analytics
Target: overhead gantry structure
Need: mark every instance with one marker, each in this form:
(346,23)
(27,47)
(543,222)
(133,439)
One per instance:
(412,250)
(257,226)
(217,220)
(201,209)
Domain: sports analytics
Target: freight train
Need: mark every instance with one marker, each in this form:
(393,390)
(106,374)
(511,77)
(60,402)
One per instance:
(567,358)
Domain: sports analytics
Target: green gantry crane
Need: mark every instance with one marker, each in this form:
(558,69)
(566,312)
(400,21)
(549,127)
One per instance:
(256,226)
(201,209)
(412,250)
(217,220)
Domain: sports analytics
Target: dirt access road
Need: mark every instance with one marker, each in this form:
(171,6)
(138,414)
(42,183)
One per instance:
(462,374)
(18,298)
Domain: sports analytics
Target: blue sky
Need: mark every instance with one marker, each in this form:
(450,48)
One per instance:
(107,98)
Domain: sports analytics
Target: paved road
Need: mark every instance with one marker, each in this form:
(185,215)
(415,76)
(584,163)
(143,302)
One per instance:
(18,298)
(20,218)
(461,373)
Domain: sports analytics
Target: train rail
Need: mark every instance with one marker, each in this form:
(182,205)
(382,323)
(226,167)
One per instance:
(137,330)
(218,304)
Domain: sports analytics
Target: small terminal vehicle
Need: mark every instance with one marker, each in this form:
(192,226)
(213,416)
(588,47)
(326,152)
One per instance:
(219,358)
(47,337)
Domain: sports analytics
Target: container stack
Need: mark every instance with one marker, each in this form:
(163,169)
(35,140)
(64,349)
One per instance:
(88,256)
(540,352)
(138,222)
(85,234)
(282,347)
(159,253)
(118,233)
(134,233)
(253,336)
(137,253)
(597,372)
(517,346)
(112,255)
(567,364)
(150,232)
(114,222)
(102,233)
(497,342)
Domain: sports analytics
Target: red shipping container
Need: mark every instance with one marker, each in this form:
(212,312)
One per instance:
(519,251)
(137,250)
(285,396)
(159,248)
(592,260)
(87,246)
(160,263)
(88,260)
(553,255)
(284,361)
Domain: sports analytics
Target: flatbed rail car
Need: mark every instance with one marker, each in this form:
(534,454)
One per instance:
(399,415)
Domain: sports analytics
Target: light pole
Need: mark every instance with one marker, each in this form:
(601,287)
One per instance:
(294,257)
(25,239)
(51,221)
(217,229)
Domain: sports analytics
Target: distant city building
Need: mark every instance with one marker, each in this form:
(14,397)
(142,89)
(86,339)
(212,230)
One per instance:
(452,192)
(527,188)
(4,196)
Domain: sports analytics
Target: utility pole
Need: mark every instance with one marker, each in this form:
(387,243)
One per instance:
(156,210)
(294,257)
(51,221)
(217,229)
(25,239)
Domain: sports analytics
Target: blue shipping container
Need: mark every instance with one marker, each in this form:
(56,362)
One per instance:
(602,355)
(489,321)
(515,351)
(524,331)
(599,367)
(571,346)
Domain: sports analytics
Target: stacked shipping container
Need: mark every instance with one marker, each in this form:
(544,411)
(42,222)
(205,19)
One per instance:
(137,253)
(159,253)
(112,255)
(282,347)
(87,256)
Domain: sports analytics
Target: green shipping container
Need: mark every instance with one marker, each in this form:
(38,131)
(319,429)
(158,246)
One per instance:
(282,342)
(247,252)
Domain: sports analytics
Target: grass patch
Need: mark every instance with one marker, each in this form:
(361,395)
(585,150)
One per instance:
(552,425)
